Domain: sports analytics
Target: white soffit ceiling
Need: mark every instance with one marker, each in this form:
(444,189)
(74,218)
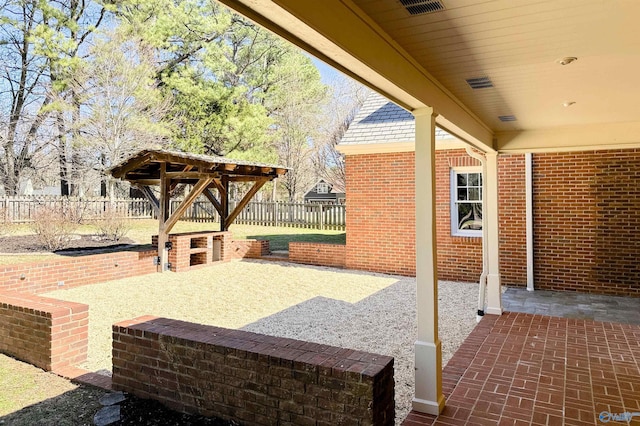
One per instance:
(516,44)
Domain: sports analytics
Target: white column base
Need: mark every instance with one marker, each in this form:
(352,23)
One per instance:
(428,398)
(494,295)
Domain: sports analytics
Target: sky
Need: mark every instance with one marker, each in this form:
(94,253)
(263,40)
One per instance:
(327,73)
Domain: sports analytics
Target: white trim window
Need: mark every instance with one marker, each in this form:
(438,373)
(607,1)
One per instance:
(466,201)
(322,188)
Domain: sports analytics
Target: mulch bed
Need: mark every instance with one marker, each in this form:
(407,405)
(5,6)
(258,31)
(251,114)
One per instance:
(31,244)
(146,412)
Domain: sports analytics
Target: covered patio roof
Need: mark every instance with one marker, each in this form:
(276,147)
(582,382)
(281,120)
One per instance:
(505,76)
(495,72)
(168,169)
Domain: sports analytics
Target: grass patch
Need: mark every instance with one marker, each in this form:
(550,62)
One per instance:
(278,236)
(142,230)
(31,396)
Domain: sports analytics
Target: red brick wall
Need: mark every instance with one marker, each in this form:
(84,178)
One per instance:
(43,276)
(381,213)
(459,258)
(512,219)
(381,216)
(47,333)
(252,378)
(587,221)
(381,219)
(317,254)
(251,249)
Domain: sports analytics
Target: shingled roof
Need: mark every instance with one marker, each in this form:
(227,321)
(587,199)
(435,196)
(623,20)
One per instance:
(381,121)
(188,167)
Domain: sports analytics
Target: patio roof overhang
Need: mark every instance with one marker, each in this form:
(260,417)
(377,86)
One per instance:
(424,59)
(505,76)
(204,173)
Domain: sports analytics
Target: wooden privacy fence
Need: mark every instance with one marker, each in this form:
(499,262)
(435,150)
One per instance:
(298,215)
(24,209)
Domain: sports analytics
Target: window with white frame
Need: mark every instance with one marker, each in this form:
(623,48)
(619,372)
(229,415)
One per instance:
(466,202)
(322,188)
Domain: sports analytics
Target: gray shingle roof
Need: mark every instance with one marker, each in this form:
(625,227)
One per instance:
(381,121)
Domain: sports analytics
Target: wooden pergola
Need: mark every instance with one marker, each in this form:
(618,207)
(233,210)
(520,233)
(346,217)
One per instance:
(168,169)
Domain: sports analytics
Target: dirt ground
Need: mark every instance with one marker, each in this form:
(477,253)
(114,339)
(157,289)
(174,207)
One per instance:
(31,244)
(30,396)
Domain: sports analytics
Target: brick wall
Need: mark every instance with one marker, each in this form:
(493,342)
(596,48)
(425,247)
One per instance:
(251,249)
(317,254)
(587,221)
(381,213)
(381,217)
(459,258)
(252,378)
(512,218)
(48,333)
(43,276)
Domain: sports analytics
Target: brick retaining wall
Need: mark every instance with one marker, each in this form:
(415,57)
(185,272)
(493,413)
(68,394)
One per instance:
(249,249)
(47,333)
(252,378)
(67,272)
(318,254)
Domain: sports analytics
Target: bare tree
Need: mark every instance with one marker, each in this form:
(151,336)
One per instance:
(296,102)
(24,96)
(346,99)
(122,109)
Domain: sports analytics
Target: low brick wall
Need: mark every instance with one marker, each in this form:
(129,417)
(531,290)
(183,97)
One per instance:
(249,249)
(47,333)
(252,378)
(318,254)
(62,272)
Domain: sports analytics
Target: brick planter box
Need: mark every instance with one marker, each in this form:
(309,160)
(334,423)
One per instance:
(48,333)
(49,275)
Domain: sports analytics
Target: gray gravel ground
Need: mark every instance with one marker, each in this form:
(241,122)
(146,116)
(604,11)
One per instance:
(358,310)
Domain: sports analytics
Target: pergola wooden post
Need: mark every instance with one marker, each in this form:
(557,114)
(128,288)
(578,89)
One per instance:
(167,169)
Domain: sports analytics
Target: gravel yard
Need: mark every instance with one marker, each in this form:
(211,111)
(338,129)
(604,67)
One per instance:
(358,310)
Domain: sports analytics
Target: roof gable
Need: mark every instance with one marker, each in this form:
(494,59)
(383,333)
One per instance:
(381,121)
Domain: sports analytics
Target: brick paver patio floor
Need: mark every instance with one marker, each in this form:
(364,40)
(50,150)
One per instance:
(522,369)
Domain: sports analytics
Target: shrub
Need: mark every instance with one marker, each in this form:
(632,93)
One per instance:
(113,226)
(53,227)
(5,223)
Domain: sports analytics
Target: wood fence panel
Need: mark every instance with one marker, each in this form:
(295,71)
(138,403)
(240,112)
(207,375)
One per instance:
(296,215)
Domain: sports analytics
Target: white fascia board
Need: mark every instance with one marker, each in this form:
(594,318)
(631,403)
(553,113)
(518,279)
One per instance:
(390,147)
(571,138)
